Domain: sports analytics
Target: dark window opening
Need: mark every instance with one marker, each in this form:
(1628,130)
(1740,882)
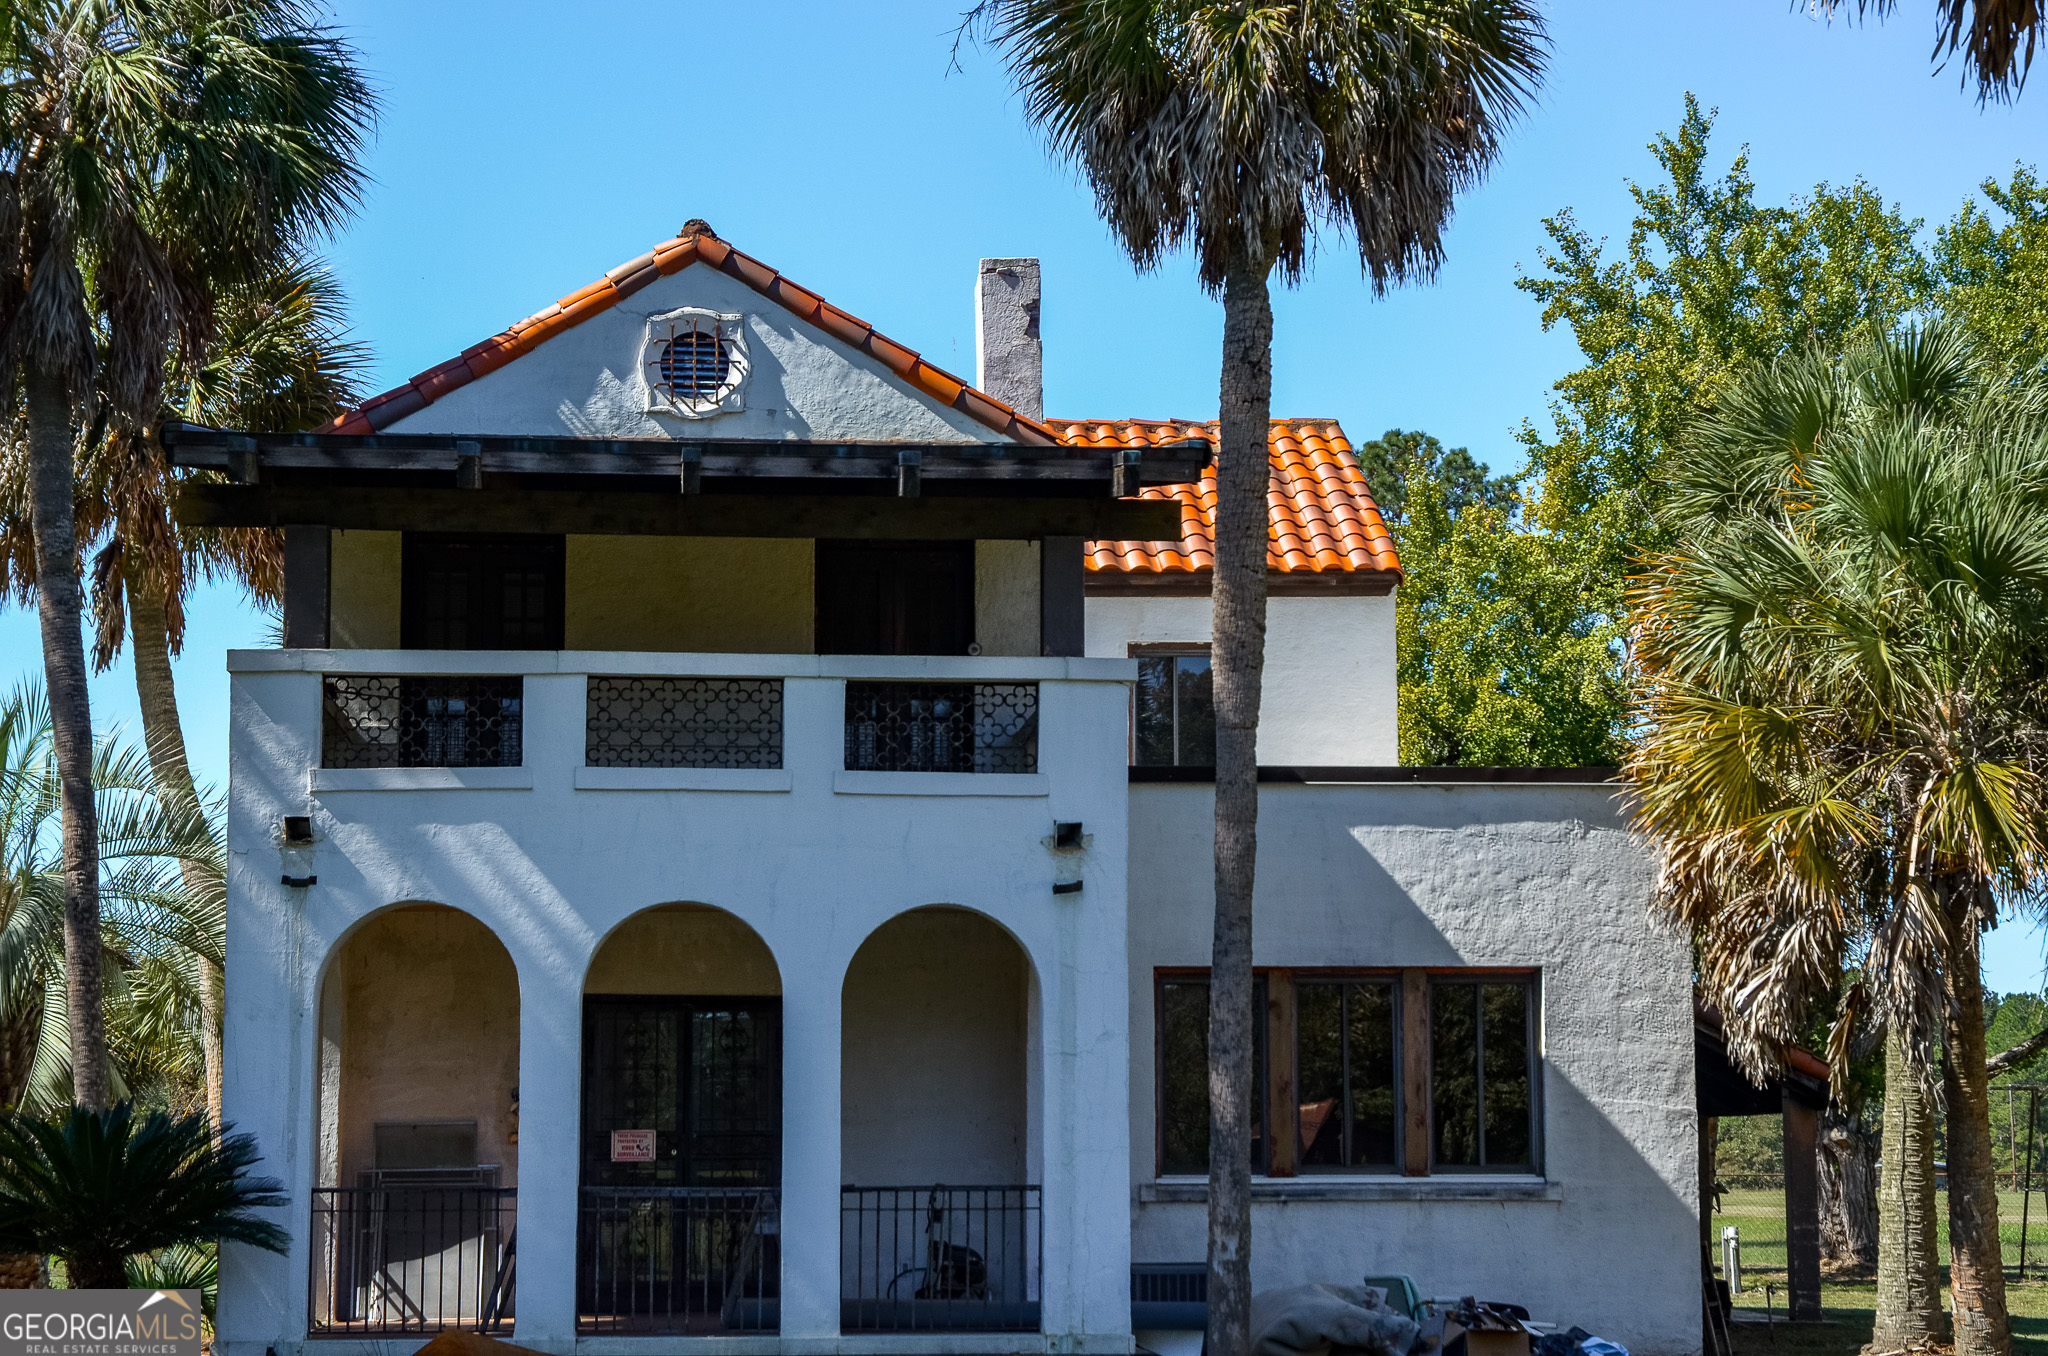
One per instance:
(1184,1075)
(471,591)
(1347,1076)
(698,1080)
(1173,717)
(1348,1063)
(887,597)
(1482,1062)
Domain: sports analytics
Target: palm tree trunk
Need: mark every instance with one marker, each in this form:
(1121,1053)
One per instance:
(1849,1196)
(1908,1275)
(59,607)
(1976,1267)
(164,736)
(1239,652)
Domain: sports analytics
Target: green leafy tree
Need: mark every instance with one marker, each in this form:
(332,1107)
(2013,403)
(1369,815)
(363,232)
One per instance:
(1500,662)
(1399,459)
(1992,267)
(1514,624)
(1234,129)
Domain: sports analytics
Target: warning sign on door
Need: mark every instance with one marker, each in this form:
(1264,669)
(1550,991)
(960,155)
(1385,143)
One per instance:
(632,1146)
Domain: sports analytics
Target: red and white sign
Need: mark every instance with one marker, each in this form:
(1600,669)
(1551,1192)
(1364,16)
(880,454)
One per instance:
(632,1146)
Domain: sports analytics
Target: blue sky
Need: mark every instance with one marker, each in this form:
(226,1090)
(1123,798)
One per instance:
(527,147)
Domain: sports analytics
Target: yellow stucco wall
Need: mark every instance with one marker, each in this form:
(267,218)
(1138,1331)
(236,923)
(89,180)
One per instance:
(933,1043)
(1006,597)
(362,592)
(428,1018)
(737,595)
(684,949)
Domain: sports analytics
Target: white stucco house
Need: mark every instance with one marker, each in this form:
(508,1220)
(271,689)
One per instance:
(721,863)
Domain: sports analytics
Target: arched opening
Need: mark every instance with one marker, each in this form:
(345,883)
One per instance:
(941,1222)
(419,1127)
(681,1155)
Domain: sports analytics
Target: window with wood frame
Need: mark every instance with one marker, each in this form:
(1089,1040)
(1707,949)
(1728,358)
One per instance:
(1406,1072)
(1173,707)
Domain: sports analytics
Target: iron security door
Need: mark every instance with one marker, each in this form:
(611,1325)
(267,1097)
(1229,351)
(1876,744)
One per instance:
(681,1155)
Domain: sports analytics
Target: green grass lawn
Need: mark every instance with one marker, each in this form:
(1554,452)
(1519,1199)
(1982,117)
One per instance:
(1760,1215)
(1851,1308)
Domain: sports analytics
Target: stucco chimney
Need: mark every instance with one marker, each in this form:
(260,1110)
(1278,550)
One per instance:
(1009,360)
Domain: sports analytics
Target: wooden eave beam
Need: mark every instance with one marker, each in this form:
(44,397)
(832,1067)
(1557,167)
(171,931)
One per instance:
(244,456)
(642,513)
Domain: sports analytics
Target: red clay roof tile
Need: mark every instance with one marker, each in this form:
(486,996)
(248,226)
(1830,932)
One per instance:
(1323,516)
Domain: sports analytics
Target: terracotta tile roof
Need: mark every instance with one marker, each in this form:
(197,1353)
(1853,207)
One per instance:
(1323,516)
(672,256)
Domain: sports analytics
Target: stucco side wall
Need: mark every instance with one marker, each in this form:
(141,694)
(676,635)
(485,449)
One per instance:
(1330,698)
(725,595)
(587,383)
(933,1046)
(364,570)
(1543,876)
(679,949)
(429,1030)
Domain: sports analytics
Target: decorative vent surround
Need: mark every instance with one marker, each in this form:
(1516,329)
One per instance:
(694,363)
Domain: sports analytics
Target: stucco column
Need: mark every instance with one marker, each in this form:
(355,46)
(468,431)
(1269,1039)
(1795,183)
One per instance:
(552,951)
(273,977)
(550,1023)
(810,1155)
(1084,1030)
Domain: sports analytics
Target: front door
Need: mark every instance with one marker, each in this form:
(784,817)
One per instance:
(682,1150)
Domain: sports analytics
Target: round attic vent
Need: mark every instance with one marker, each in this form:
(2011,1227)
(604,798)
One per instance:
(694,365)
(694,362)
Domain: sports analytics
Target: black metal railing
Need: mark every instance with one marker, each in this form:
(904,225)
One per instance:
(942,727)
(683,722)
(678,1260)
(429,721)
(939,1259)
(412,1258)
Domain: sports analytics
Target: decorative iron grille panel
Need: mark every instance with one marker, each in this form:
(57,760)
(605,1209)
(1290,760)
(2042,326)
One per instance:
(421,722)
(684,722)
(942,727)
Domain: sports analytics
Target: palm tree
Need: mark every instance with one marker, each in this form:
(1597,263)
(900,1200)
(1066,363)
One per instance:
(149,154)
(1235,128)
(1996,38)
(278,361)
(1845,753)
(160,920)
(100,1187)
